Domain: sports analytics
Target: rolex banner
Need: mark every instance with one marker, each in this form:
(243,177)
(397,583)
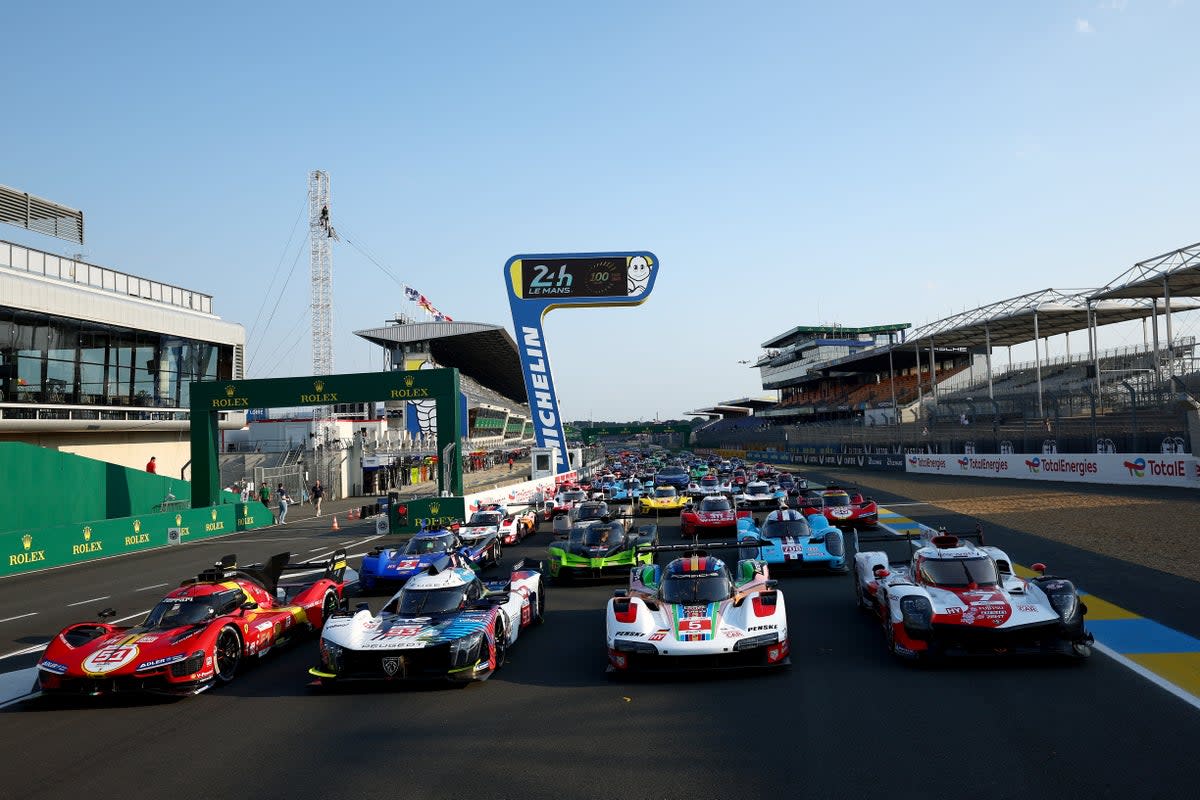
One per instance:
(39,548)
(409,516)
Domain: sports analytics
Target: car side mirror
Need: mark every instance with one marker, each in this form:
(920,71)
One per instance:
(620,592)
(1039,568)
(249,605)
(772,584)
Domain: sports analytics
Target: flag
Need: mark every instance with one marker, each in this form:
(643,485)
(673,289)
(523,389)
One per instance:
(411,293)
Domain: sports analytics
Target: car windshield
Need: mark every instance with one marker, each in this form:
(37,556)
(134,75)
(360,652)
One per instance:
(430,601)
(665,491)
(597,535)
(485,518)
(574,497)
(429,544)
(174,612)
(709,482)
(780,528)
(958,572)
(709,587)
(756,488)
(673,472)
(591,510)
(710,504)
(836,499)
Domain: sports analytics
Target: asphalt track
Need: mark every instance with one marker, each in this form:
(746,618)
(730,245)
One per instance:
(844,720)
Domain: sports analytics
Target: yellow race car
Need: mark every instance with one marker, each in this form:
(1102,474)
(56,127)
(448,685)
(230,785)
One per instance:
(664,500)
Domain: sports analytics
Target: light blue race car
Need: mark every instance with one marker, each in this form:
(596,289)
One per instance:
(628,489)
(797,542)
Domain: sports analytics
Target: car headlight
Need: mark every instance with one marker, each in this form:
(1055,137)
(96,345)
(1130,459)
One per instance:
(331,655)
(834,544)
(762,640)
(917,612)
(628,646)
(1066,604)
(465,651)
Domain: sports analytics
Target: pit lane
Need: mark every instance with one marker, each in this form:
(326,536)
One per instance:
(845,719)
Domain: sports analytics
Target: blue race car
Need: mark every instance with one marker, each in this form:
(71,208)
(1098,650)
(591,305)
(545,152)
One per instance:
(441,549)
(796,541)
(628,489)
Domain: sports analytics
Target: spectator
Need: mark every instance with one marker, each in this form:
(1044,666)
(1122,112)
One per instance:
(963,418)
(510,462)
(264,494)
(152,465)
(318,494)
(281,497)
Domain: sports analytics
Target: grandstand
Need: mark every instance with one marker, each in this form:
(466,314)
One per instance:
(489,375)
(887,388)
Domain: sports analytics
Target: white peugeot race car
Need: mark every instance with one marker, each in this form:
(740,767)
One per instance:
(442,625)
(696,613)
(941,594)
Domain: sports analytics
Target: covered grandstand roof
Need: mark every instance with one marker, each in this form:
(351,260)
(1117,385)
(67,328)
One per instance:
(719,410)
(801,331)
(486,353)
(1012,321)
(1177,271)
(749,402)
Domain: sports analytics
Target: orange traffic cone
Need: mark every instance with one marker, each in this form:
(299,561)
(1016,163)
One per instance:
(335,525)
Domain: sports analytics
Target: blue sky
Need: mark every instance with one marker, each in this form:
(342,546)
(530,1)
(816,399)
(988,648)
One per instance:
(790,163)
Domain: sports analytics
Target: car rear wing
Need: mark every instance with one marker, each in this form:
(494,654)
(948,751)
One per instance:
(899,548)
(701,547)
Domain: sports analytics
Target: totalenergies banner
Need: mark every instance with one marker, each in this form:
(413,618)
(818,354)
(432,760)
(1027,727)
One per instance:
(1158,469)
(538,283)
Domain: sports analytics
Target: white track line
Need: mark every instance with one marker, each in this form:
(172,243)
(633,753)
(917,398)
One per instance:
(131,616)
(91,600)
(25,651)
(148,588)
(18,616)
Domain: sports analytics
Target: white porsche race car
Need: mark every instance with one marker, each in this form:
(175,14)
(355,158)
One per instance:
(696,613)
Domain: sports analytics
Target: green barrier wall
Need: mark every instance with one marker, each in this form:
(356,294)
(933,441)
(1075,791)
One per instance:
(443,510)
(45,488)
(53,546)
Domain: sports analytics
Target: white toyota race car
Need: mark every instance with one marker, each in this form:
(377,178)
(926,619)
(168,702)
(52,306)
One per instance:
(947,594)
(696,613)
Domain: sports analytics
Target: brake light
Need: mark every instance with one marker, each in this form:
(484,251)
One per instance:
(618,660)
(764,604)
(624,609)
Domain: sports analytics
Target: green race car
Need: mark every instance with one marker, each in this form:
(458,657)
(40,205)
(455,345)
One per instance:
(600,550)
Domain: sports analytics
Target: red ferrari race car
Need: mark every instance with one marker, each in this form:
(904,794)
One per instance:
(197,636)
(840,506)
(714,515)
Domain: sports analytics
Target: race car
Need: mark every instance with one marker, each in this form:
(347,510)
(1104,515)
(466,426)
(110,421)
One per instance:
(672,476)
(712,516)
(626,489)
(696,614)
(940,594)
(566,499)
(789,481)
(664,500)
(483,523)
(760,496)
(600,549)
(443,625)
(708,485)
(198,635)
(698,471)
(796,541)
(840,506)
(516,525)
(581,512)
(440,548)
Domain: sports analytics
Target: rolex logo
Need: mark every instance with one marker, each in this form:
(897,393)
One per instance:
(137,526)
(319,385)
(27,541)
(87,533)
(408,381)
(434,508)
(229,390)
(214,515)
(178,520)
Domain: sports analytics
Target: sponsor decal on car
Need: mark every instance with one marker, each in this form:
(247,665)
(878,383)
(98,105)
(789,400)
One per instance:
(161,662)
(109,659)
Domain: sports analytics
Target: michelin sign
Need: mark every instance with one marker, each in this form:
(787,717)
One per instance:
(541,282)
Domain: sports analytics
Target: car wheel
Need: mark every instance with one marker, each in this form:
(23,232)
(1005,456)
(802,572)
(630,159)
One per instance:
(500,646)
(539,614)
(329,607)
(227,654)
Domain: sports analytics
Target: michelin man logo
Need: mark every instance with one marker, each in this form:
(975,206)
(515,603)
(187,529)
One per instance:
(426,410)
(639,274)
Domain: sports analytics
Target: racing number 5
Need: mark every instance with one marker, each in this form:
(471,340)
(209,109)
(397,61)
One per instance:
(694,625)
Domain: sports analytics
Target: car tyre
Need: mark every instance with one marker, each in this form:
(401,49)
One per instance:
(539,607)
(227,654)
(500,646)
(329,607)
